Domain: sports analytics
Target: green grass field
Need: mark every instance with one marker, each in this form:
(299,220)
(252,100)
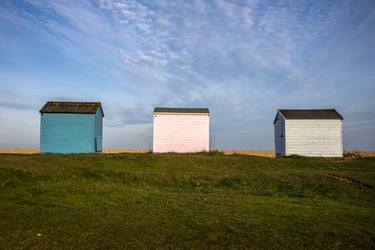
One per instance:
(176,201)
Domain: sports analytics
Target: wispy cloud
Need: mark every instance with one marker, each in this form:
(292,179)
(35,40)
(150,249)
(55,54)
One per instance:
(242,59)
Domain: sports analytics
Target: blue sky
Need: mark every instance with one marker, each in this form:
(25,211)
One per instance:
(241,59)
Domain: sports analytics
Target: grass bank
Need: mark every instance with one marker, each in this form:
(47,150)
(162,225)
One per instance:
(185,201)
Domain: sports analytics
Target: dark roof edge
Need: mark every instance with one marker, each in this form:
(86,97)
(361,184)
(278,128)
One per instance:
(67,112)
(182,110)
(328,117)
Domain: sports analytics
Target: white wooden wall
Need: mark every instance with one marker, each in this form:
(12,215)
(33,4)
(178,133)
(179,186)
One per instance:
(314,138)
(181,133)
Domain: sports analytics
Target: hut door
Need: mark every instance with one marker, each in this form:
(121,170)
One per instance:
(98,144)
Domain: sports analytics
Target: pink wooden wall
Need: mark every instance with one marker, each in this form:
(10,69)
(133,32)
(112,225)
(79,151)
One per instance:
(181,133)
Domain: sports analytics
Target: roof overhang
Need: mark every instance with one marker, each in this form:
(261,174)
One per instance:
(57,107)
(181,111)
(309,114)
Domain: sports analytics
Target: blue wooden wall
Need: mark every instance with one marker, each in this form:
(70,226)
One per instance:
(71,133)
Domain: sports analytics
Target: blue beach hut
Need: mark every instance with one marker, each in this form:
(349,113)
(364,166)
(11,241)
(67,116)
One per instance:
(71,127)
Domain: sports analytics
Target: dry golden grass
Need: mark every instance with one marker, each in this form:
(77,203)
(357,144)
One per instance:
(124,150)
(361,153)
(263,153)
(19,150)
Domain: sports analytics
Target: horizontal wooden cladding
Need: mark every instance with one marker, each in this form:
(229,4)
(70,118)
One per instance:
(67,133)
(313,148)
(321,154)
(313,124)
(314,137)
(307,132)
(309,137)
(313,121)
(181,133)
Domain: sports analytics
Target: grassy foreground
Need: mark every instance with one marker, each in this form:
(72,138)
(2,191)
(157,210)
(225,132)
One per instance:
(185,201)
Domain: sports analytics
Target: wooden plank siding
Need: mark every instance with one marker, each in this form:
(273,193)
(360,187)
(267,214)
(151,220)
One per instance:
(180,133)
(66,133)
(71,133)
(314,137)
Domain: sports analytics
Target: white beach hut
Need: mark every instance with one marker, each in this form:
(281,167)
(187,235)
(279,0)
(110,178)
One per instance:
(181,130)
(308,132)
